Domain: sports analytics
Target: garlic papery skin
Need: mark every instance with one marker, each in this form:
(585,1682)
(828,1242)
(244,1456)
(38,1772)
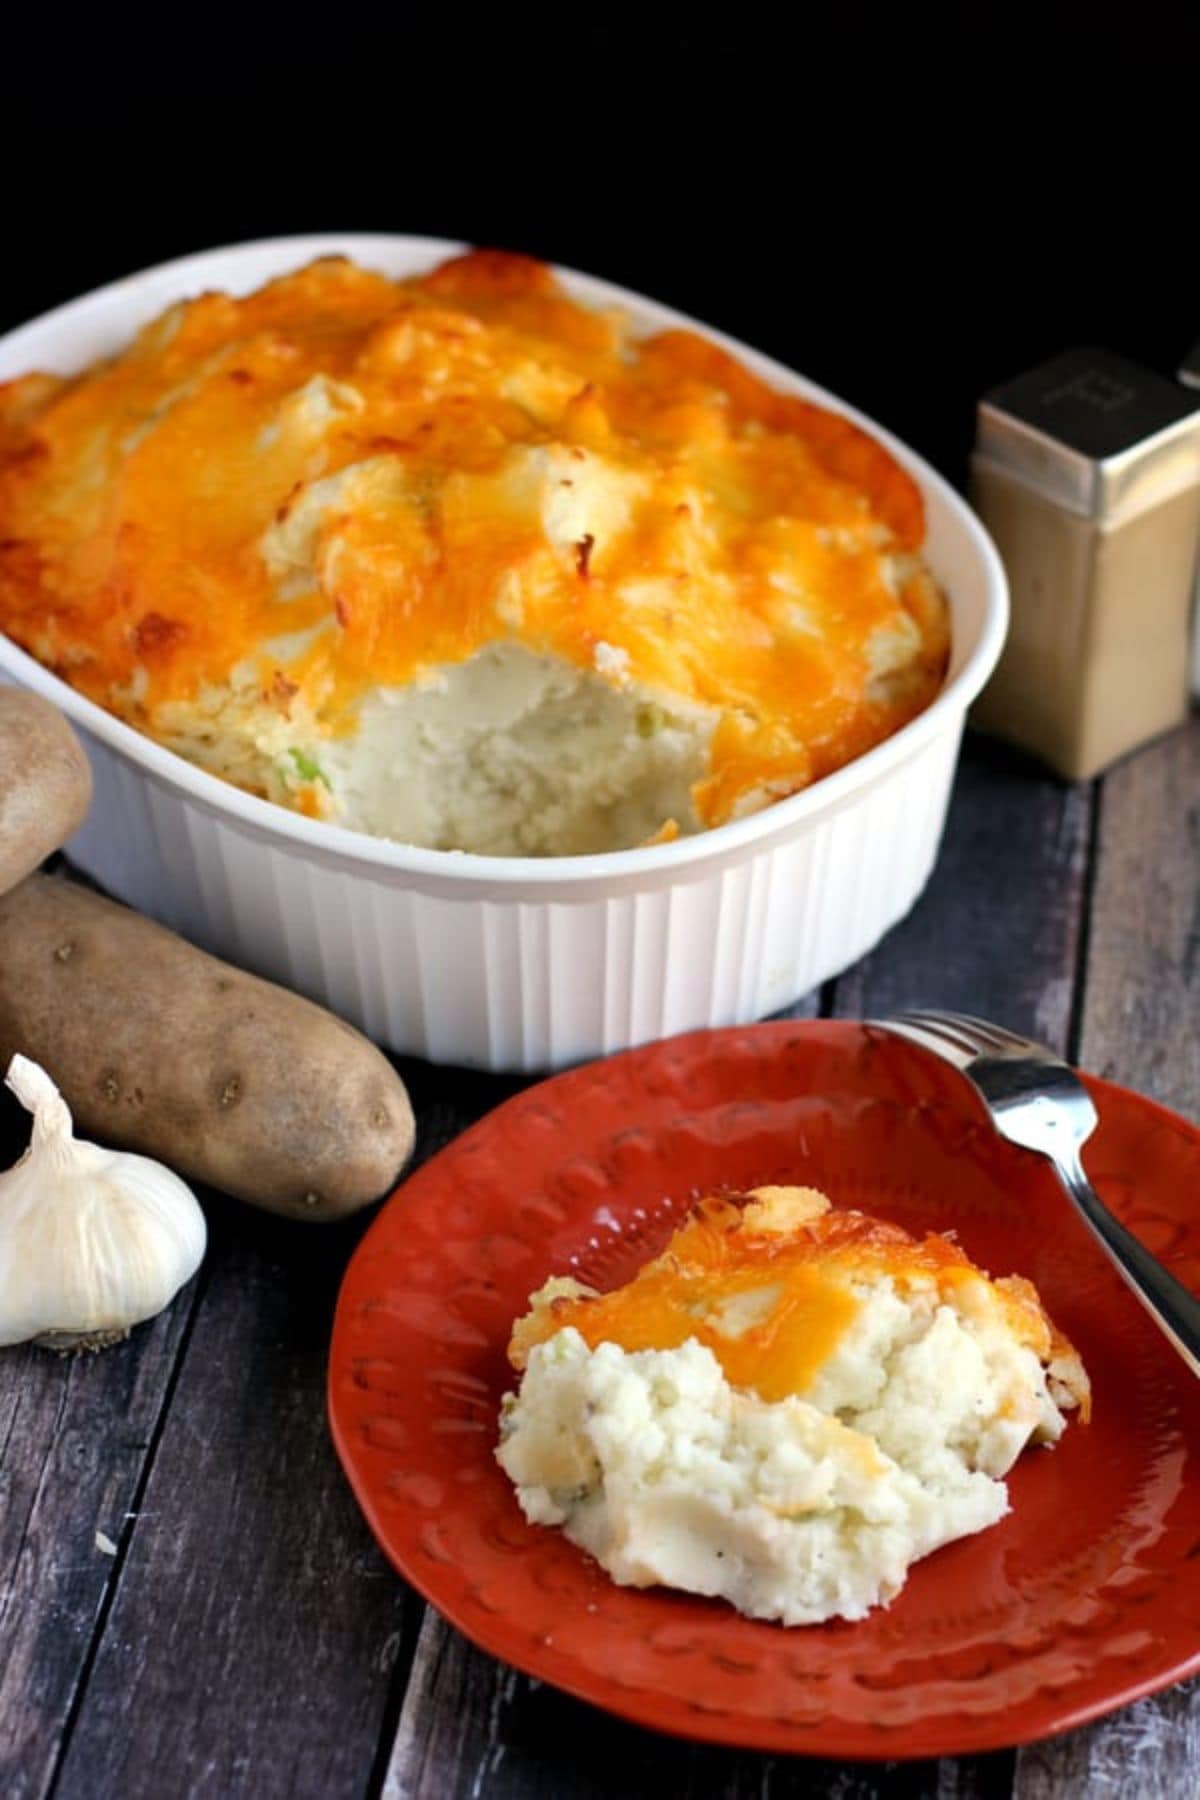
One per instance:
(92,1241)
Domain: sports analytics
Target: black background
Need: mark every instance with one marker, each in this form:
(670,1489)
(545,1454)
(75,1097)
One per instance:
(907,204)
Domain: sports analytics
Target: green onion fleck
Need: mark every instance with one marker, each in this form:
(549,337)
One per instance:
(309,769)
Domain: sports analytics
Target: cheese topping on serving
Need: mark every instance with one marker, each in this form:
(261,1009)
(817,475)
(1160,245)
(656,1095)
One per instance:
(786,1408)
(770,1284)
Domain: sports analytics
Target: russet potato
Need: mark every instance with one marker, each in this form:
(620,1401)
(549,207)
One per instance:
(161,1048)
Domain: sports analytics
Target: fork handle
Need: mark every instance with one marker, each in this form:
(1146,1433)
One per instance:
(1173,1309)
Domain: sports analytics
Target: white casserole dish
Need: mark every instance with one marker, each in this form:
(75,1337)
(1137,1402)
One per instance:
(511,962)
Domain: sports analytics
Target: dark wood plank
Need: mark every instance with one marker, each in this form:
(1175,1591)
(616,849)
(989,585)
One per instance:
(74,1435)
(1141,1014)
(74,1438)
(472,1727)
(1151,1749)
(997,930)
(252,1638)
(256,1636)
(1139,1026)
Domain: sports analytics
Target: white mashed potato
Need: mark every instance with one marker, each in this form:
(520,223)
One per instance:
(513,753)
(799,1509)
(510,753)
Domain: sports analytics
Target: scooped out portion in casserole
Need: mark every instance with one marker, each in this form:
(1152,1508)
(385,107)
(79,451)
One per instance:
(461,562)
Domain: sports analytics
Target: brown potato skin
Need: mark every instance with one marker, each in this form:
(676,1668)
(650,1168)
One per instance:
(160,1048)
(45,783)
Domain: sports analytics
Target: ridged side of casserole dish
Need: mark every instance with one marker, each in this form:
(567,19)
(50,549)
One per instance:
(508,962)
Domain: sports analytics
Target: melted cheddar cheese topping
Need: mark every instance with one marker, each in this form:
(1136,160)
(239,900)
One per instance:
(342,483)
(771,1282)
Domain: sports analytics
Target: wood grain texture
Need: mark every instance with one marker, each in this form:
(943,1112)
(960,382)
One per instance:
(74,1434)
(256,1636)
(1140,1019)
(997,930)
(1151,1749)
(1140,1025)
(252,1639)
(472,1727)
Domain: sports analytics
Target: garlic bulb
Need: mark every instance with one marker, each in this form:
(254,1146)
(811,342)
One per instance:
(92,1241)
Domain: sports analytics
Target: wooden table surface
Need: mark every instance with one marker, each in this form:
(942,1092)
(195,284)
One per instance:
(190,1603)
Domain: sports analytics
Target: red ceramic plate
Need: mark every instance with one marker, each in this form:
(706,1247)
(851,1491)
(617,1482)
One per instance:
(1086,1597)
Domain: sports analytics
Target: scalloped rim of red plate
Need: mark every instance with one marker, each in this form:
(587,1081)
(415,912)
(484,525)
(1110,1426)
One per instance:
(1068,1609)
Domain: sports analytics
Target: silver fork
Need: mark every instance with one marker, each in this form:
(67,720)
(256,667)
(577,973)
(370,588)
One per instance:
(1037,1101)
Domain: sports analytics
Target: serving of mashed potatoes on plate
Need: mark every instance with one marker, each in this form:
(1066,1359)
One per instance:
(786,1409)
(461,562)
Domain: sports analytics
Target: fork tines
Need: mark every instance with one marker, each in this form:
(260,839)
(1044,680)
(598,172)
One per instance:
(962,1032)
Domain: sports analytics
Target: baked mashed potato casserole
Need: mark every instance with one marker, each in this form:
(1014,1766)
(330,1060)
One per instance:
(460,562)
(786,1408)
